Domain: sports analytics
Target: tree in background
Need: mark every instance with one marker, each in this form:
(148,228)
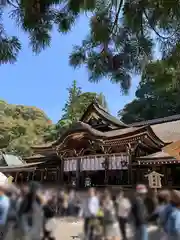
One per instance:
(54,131)
(157,96)
(21,127)
(76,104)
(71,105)
(120,39)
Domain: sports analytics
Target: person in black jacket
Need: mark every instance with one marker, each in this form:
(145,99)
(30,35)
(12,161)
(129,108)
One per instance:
(140,213)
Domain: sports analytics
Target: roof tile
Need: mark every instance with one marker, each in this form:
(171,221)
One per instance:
(168,131)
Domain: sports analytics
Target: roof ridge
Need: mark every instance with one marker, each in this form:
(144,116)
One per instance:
(156,121)
(95,102)
(110,115)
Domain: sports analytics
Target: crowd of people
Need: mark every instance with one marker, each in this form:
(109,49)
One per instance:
(162,209)
(25,212)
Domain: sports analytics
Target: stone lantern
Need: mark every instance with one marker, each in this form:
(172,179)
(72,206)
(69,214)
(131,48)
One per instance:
(87,182)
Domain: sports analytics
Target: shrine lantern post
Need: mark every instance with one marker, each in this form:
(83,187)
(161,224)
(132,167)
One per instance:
(154,180)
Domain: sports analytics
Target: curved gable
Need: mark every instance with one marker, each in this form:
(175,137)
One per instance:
(98,117)
(77,132)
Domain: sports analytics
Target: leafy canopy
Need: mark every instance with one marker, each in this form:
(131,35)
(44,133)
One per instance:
(120,41)
(156,97)
(123,35)
(21,127)
(78,101)
(76,104)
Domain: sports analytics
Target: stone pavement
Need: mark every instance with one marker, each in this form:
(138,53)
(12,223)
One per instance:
(68,230)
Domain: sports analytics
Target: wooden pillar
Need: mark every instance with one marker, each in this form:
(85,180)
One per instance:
(28,176)
(45,174)
(106,170)
(57,175)
(105,164)
(33,175)
(164,172)
(129,154)
(42,175)
(21,178)
(78,172)
(138,173)
(62,171)
(16,176)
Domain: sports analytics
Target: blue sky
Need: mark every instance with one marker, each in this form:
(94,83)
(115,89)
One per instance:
(42,80)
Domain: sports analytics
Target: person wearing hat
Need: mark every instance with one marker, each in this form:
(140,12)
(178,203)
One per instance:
(139,213)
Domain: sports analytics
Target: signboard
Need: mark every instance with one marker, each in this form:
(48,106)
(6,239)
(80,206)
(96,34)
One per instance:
(95,163)
(70,165)
(173,149)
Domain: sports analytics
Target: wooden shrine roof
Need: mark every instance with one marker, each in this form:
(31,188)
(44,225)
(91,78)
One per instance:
(81,127)
(157,162)
(113,137)
(158,132)
(157,158)
(35,158)
(45,145)
(156,121)
(167,129)
(158,155)
(96,108)
(22,167)
(10,160)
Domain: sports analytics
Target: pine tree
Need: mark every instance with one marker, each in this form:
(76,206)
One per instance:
(121,39)
(70,108)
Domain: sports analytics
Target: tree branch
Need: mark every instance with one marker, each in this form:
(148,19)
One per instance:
(156,32)
(12,4)
(117,15)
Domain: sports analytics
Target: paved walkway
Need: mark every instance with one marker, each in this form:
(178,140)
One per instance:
(66,230)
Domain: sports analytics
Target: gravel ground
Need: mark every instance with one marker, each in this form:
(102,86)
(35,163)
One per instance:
(66,229)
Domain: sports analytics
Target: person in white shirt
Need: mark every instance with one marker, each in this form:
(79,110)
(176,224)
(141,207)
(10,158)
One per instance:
(123,211)
(90,208)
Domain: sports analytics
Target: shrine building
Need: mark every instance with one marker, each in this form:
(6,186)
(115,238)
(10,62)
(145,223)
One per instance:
(105,150)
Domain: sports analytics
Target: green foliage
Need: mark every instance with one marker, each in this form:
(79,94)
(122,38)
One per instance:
(78,102)
(123,35)
(70,106)
(21,127)
(74,108)
(120,41)
(9,46)
(53,132)
(157,96)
